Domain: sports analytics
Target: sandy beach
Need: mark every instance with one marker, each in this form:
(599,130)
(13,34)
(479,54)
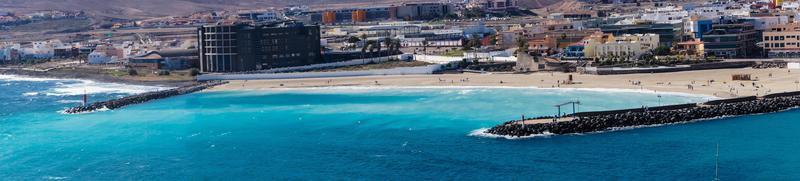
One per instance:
(717,83)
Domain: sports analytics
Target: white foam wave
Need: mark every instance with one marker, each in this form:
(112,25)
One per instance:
(19,78)
(97,110)
(483,133)
(54,178)
(91,87)
(70,87)
(69,101)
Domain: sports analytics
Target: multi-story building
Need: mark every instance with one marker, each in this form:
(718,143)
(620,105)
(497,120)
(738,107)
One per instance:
(628,46)
(244,47)
(695,27)
(592,41)
(667,33)
(424,11)
(736,40)
(667,15)
(500,5)
(782,41)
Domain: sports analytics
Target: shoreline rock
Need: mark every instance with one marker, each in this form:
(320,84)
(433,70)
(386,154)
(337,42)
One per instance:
(144,97)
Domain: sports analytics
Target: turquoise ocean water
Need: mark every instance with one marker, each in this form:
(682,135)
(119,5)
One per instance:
(370,134)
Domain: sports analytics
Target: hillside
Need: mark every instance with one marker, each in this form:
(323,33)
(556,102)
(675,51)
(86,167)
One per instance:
(153,8)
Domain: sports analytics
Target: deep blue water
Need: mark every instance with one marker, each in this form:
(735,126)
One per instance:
(371,134)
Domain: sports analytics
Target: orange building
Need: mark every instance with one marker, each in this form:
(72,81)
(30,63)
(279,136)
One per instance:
(359,16)
(329,17)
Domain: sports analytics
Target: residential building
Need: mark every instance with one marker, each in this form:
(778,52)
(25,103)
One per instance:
(172,59)
(782,41)
(692,48)
(628,46)
(695,27)
(591,42)
(98,57)
(424,11)
(665,15)
(500,5)
(575,51)
(244,47)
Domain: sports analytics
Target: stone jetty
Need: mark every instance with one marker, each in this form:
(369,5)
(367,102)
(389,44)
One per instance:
(609,120)
(141,98)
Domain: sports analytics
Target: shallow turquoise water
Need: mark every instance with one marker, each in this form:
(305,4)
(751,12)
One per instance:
(374,134)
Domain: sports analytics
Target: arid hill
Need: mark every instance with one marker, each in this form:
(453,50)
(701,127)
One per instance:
(154,8)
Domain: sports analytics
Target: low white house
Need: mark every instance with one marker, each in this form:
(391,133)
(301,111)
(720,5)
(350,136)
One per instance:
(97,57)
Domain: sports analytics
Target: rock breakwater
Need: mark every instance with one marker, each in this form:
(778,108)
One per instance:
(609,120)
(141,98)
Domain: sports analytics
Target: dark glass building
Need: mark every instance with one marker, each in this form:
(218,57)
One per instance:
(245,47)
(667,33)
(732,41)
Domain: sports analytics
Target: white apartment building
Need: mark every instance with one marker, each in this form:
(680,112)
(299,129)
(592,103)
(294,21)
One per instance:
(669,15)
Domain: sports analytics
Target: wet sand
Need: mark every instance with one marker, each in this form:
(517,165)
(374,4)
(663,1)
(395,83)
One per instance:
(717,83)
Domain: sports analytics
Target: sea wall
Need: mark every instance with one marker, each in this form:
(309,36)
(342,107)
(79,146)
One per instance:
(141,98)
(702,66)
(609,120)
(335,64)
(394,71)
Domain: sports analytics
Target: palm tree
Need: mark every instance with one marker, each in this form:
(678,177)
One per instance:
(425,46)
(378,47)
(522,45)
(364,49)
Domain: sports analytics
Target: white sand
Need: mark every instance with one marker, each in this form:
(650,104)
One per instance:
(782,80)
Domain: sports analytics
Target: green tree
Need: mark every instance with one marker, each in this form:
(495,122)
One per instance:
(132,72)
(662,51)
(353,39)
(522,44)
(194,72)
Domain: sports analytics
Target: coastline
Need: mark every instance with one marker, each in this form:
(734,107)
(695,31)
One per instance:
(92,77)
(370,88)
(689,83)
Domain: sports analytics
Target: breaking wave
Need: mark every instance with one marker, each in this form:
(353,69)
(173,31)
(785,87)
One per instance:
(483,133)
(71,87)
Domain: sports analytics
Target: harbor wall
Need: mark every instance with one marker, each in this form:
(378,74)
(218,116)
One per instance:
(659,108)
(335,64)
(702,66)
